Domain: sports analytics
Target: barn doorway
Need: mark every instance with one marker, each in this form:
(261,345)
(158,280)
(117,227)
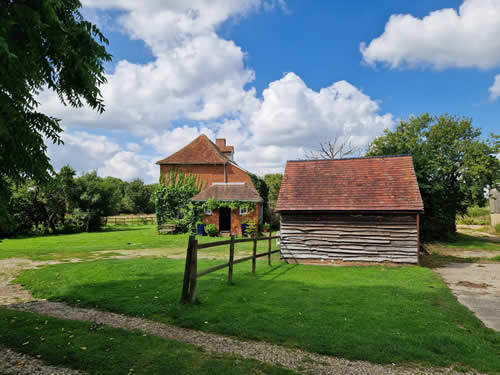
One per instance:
(224,219)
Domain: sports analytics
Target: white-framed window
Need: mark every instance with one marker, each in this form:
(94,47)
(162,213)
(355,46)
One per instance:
(243,210)
(208,211)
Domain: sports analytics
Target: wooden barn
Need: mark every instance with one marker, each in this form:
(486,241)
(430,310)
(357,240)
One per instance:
(350,210)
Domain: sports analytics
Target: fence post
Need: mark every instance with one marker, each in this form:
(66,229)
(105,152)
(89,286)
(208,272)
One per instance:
(254,255)
(231,259)
(187,271)
(269,249)
(194,270)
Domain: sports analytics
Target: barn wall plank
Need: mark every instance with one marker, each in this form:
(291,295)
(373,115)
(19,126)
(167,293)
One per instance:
(349,237)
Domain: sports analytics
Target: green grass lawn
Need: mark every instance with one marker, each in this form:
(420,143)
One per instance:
(111,238)
(114,351)
(466,242)
(379,314)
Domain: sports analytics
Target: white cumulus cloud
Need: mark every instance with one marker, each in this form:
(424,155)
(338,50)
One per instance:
(200,80)
(494,90)
(444,38)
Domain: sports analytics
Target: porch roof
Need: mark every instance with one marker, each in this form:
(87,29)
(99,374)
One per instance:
(229,192)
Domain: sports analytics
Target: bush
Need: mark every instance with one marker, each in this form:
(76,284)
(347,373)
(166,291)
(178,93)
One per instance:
(211,230)
(252,228)
(266,227)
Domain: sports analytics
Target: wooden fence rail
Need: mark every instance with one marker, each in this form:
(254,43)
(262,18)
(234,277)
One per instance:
(191,273)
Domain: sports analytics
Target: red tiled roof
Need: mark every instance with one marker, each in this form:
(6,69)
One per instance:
(200,151)
(358,184)
(228,192)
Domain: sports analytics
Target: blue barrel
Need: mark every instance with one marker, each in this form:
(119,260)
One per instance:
(244,229)
(200,229)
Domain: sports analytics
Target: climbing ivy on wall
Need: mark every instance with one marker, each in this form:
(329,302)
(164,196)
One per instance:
(213,204)
(173,200)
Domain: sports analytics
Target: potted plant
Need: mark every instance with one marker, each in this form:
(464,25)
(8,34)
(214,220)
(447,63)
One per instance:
(200,228)
(211,230)
(244,226)
(266,227)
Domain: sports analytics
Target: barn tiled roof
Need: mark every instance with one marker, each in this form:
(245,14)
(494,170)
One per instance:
(228,192)
(200,151)
(357,184)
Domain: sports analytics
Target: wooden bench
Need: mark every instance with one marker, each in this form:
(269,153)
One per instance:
(166,228)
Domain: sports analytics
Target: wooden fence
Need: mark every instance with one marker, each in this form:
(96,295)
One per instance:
(191,273)
(130,219)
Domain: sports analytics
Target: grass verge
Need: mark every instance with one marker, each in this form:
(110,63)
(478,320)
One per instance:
(379,314)
(82,245)
(105,350)
(466,242)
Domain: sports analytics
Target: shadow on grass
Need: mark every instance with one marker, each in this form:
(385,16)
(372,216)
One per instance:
(436,260)
(375,314)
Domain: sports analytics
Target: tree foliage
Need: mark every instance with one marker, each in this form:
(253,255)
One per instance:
(65,203)
(44,44)
(172,199)
(273,182)
(263,190)
(453,163)
(137,197)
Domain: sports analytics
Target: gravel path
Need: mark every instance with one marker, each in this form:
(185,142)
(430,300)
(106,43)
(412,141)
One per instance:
(294,359)
(21,364)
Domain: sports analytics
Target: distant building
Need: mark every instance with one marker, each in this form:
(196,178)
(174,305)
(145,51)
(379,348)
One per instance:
(223,180)
(350,210)
(495,206)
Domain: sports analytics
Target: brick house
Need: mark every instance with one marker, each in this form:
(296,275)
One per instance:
(223,180)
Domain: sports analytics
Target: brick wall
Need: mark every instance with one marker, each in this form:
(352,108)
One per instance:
(236,218)
(210,173)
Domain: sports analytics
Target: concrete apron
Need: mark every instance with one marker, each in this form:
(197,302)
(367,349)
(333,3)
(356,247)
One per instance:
(477,286)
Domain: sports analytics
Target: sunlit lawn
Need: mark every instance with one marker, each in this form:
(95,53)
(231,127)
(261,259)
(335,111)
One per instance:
(111,238)
(110,351)
(379,314)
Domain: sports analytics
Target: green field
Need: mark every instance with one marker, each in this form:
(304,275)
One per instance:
(110,351)
(83,245)
(466,242)
(379,314)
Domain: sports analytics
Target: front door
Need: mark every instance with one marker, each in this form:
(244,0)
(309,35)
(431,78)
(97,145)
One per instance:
(224,219)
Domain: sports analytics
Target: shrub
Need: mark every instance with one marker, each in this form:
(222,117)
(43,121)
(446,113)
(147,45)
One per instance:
(211,230)
(266,227)
(252,229)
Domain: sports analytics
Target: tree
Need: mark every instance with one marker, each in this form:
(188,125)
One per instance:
(273,182)
(453,163)
(44,44)
(334,148)
(96,197)
(40,206)
(137,197)
(263,190)
(172,199)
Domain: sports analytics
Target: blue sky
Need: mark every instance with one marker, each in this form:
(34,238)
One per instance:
(275,77)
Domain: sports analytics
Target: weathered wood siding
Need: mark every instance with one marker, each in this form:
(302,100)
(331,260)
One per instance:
(349,237)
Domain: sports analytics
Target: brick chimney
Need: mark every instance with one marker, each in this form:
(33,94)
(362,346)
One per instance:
(221,143)
(228,151)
